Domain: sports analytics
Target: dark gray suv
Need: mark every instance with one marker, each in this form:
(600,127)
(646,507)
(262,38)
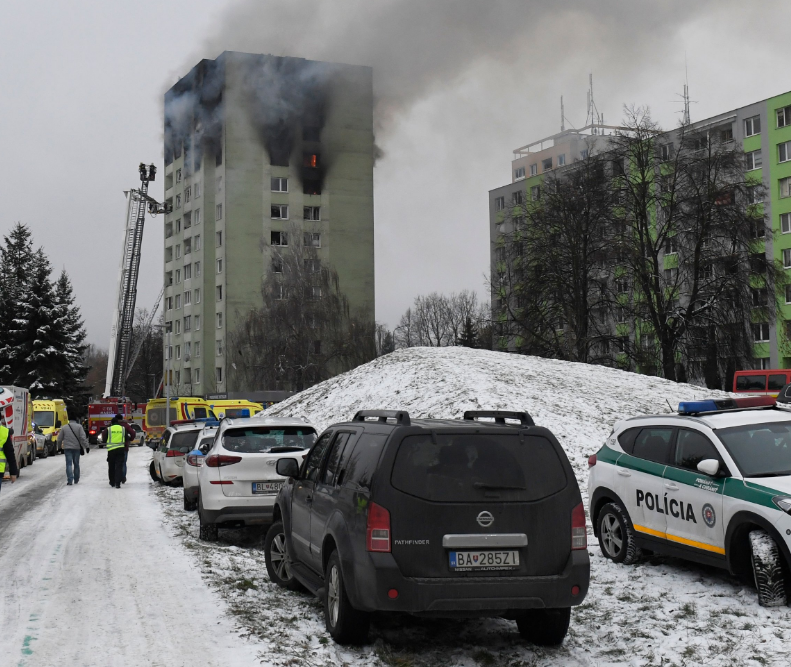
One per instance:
(444,518)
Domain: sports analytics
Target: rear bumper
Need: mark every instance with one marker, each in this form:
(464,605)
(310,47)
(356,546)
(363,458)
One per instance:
(468,596)
(249,516)
(191,493)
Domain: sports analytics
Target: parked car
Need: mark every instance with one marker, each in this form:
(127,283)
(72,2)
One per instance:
(193,463)
(444,518)
(238,480)
(40,442)
(140,435)
(177,441)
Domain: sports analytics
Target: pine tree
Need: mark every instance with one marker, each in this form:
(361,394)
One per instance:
(469,334)
(17,263)
(70,327)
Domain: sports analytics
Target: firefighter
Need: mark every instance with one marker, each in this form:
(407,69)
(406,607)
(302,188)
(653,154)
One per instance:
(7,453)
(115,437)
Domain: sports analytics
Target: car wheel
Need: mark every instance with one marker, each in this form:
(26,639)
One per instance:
(277,561)
(616,536)
(769,579)
(152,470)
(208,531)
(44,452)
(346,624)
(544,627)
(190,505)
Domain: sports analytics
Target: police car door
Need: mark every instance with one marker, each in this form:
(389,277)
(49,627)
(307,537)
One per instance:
(642,485)
(694,500)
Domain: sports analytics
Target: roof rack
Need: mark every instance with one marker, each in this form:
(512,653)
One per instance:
(401,416)
(500,416)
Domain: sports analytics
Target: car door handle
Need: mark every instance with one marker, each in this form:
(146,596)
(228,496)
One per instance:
(672,487)
(624,473)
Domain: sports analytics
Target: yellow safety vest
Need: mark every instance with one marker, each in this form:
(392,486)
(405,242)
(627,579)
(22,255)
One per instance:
(3,439)
(117,435)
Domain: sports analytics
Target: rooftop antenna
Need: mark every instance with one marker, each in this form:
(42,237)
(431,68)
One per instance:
(686,120)
(593,112)
(562,116)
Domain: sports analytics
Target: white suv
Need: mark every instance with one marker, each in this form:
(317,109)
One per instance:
(238,480)
(177,441)
(193,463)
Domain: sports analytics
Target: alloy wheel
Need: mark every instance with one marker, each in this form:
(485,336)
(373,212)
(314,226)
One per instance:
(612,537)
(279,557)
(333,596)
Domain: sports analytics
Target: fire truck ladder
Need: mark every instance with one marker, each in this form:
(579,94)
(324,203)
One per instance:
(124,316)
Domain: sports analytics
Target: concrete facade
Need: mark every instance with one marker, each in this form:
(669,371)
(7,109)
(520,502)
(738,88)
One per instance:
(218,177)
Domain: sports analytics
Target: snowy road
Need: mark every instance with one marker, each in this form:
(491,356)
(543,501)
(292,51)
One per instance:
(92,577)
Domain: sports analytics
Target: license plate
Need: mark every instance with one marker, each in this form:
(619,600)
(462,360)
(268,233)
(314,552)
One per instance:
(484,560)
(267,487)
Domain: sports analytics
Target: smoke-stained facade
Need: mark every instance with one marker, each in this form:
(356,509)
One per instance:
(260,150)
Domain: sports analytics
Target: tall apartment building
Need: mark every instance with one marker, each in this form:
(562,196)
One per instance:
(259,149)
(763,130)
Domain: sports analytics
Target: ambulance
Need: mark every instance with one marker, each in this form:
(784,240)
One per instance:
(49,416)
(17,409)
(181,408)
(234,408)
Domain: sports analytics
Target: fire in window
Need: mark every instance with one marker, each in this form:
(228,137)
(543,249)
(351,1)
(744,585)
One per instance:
(311,160)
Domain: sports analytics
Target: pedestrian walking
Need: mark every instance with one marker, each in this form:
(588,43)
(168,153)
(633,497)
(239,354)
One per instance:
(73,441)
(129,435)
(115,437)
(7,453)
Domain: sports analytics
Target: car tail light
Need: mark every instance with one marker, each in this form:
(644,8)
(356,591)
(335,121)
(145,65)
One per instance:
(579,533)
(91,432)
(195,460)
(221,481)
(592,460)
(378,529)
(172,453)
(220,460)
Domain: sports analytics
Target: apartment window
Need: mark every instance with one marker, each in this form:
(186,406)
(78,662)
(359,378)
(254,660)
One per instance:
(218,239)
(316,347)
(584,154)
(218,347)
(784,152)
(219,320)
(757,229)
(196,242)
(197,349)
(187,220)
(197,295)
(726,134)
(671,245)
(178,226)
(761,332)
(310,160)
(218,375)
(187,372)
(785,187)
(535,192)
(280,292)
(187,321)
(169,348)
(517,197)
(311,187)
(666,152)
(752,126)
(218,212)
(218,158)
(196,375)
(279,212)
(752,160)
(219,266)
(178,356)
(279,184)
(178,276)
(168,230)
(178,326)
(546,165)
(187,271)
(178,250)
(169,253)
(178,201)
(169,278)
(784,117)
(311,240)
(534,170)
(178,301)
(278,238)
(751,193)
(197,322)
(218,293)
(499,203)
(187,246)
(178,175)
(622,286)
(196,216)
(168,327)
(785,222)
(277,265)
(561,160)
(168,303)
(311,134)
(787,258)
(197,269)
(196,188)
(312,266)
(760,297)
(312,213)
(699,143)
(187,194)
(187,298)
(519,173)
(670,276)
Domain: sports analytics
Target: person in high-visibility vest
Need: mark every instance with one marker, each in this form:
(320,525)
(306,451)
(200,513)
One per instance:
(7,454)
(115,439)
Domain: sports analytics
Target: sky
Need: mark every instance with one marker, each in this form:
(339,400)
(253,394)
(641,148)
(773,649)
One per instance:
(459,84)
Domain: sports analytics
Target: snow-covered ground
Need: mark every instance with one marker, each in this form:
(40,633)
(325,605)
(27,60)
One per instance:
(661,612)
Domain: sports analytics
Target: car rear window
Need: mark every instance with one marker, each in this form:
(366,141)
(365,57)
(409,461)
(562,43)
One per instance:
(184,442)
(475,467)
(262,439)
(156,416)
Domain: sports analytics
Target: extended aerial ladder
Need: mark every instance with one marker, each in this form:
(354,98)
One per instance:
(119,362)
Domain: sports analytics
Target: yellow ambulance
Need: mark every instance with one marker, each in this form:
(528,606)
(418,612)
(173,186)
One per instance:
(181,407)
(50,415)
(233,408)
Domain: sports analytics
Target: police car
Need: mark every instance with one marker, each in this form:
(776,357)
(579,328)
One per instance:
(710,484)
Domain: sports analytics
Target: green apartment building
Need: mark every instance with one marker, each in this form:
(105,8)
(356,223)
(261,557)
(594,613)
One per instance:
(260,152)
(763,129)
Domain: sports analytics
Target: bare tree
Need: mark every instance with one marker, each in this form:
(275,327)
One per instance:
(437,320)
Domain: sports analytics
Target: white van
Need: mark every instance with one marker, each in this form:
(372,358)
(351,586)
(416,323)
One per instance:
(17,408)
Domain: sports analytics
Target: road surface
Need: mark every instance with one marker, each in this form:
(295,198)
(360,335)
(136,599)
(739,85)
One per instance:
(92,577)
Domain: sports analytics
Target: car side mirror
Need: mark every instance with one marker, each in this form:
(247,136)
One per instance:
(709,467)
(287,468)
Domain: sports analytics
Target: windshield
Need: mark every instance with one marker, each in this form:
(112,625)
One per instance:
(184,442)
(44,419)
(760,450)
(263,440)
(156,416)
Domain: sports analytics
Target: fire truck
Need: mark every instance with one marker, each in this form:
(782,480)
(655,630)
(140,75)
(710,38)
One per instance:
(101,413)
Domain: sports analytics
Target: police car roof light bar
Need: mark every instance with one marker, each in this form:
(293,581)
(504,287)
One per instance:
(725,404)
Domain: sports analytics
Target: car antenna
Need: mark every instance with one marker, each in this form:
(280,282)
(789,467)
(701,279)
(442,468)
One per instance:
(668,405)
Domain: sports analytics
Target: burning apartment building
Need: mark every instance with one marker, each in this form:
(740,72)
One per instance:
(261,153)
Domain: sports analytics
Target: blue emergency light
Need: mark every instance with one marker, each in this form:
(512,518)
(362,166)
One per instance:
(725,404)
